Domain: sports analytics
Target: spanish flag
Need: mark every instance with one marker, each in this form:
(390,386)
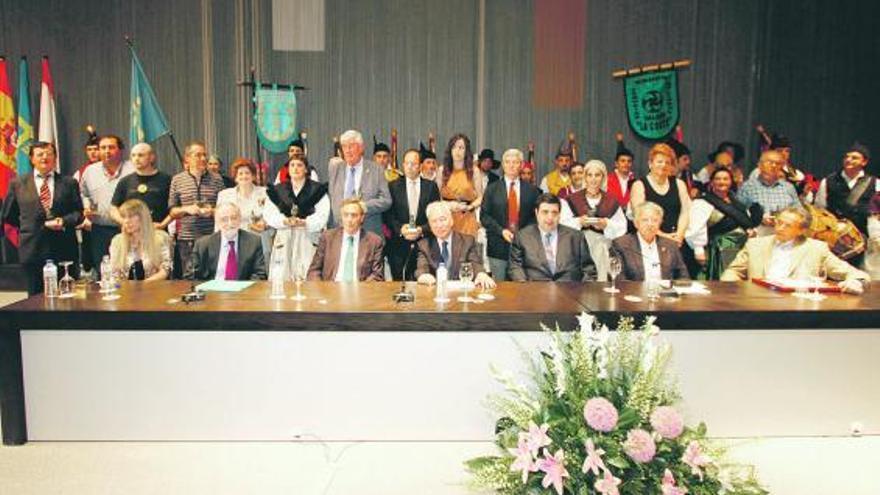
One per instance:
(7,131)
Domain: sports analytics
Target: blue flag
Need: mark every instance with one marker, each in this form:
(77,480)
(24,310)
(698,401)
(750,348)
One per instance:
(148,123)
(25,133)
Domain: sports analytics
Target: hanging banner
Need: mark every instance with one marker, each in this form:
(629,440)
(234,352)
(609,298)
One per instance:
(275,117)
(652,103)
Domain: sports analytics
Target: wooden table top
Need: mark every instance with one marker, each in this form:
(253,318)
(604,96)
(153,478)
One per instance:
(370,306)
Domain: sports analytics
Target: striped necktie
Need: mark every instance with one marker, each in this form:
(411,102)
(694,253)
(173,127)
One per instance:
(45,194)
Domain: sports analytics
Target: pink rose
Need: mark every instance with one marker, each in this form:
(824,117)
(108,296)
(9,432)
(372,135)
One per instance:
(667,422)
(639,446)
(600,414)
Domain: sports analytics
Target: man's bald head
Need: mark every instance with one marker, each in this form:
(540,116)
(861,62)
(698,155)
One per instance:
(143,158)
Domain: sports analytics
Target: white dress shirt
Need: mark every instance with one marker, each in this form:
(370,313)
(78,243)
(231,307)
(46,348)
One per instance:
(38,181)
(354,257)
(224,253)
(780,261)
(650,259)
(413,190)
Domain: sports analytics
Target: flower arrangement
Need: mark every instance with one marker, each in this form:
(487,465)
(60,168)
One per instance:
(599,418)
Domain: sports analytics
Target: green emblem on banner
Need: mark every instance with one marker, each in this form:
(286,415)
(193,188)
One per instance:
(652,103)
(275,118)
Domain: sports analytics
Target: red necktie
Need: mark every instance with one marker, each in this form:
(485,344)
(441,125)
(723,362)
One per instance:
(231,263)
(512,207)
(45,195)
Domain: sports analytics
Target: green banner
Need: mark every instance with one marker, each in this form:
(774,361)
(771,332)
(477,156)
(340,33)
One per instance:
(652,103)
(275,118)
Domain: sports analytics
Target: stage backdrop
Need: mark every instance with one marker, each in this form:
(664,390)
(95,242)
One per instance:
(485,67)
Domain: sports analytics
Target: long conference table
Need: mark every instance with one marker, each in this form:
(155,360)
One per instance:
(349,363)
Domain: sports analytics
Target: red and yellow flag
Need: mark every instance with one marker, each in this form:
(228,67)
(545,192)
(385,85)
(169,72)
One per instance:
(7,131)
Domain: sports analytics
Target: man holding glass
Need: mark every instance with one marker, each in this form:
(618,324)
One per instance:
(547,251)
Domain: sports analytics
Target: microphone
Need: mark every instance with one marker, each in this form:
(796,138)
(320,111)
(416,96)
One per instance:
(405,295)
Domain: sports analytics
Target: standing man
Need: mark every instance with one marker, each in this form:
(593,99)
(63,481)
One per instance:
(192,198)
(508,205)
(558,178)
(768,190)
(355,177)
(98,185)
(147,184)
(349,253)
(547,251)
(847,193)
(621,179)
(488,163)
(46,207)
(407,221)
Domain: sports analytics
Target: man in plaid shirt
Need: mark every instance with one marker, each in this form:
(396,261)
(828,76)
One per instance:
(767,190)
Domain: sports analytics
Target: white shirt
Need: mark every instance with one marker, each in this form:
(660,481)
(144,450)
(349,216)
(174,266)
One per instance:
(624,182)
(448,242)
(354,257)
(224,253)
(38,181)
(779,266)
(413,189)
(821,200)
(650,259)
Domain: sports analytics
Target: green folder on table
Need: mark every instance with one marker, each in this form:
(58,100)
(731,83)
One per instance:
(224,285)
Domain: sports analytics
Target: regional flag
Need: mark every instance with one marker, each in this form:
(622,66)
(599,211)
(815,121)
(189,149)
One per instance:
(25,128)
(148,123)
(48,132)
(7,131)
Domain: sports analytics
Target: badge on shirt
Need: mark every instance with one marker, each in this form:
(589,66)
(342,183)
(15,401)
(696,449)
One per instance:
(142,188)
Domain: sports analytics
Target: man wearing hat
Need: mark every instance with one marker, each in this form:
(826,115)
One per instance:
(621,179)
(381,154)
(488,163)
(93,152)
(848,192)
(559,178)
(683,166)
(431,170)
(527,173)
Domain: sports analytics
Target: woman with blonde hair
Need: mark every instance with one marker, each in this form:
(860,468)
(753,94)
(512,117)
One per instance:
(140,251)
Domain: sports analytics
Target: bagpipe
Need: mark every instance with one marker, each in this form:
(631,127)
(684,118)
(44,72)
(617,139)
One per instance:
(844,239)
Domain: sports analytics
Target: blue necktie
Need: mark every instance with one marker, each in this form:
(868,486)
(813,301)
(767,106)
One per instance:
(349,183)
(444,253)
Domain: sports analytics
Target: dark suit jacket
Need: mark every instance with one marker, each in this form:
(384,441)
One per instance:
(370,262)
(464,250)
(529,262)
(22,208)
(493,214)
(251,264)
(398,215)
(628,249)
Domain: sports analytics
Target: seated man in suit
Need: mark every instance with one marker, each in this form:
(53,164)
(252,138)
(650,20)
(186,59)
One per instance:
(230,253)
(448,247)
(547,251)
(645,255)
(349,253)
(46,207)
(790,254)
(406,219)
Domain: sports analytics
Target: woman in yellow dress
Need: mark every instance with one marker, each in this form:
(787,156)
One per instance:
(460,188)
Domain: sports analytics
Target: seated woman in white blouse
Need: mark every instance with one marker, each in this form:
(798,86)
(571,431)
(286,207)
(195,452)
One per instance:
(596,213)
(305,209)
(140,251)
(258,214)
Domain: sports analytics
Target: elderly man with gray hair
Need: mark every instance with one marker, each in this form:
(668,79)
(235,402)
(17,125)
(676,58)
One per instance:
(451,248)
(230,253)
(645,255)
(355,177)
(789,254)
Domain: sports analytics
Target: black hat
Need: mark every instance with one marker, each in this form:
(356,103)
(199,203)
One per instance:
(298,142)
(487,153)
(736,150)
(622,150)
(564,148)
(425,153)
(678,147)
(779,141)
(377,146)
(860,148)
(93,136)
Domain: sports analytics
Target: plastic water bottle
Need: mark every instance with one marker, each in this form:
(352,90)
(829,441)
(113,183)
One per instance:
(50,279)
(442,278)
(277,276)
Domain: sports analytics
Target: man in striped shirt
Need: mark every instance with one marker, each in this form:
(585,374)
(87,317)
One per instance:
(192,199)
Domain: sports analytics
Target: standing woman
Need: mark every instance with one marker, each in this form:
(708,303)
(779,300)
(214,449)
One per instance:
(660,186)
(460,185)
(253,201)
(596,213)
(305,209)
(719,226)
(139,251)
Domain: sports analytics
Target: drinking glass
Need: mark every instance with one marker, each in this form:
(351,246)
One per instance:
(615,266)
(466,275)
(818,280)
(299,275)
(65,285)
